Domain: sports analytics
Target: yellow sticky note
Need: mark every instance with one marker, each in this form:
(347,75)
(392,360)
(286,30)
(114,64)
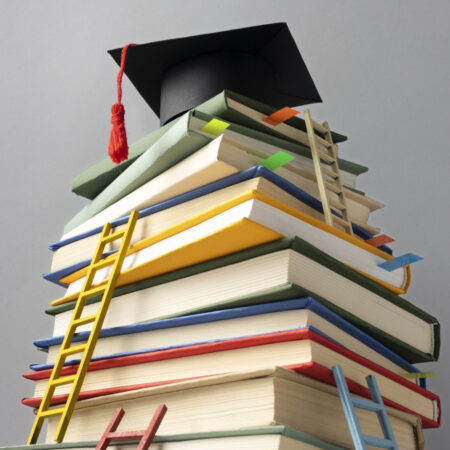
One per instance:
(215,127)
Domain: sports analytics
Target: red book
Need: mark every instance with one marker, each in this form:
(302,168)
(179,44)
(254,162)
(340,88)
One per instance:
(302,350)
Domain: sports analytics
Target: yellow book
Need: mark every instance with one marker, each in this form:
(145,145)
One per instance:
(248,220)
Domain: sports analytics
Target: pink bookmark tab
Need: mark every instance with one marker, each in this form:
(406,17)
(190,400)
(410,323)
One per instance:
(281,116)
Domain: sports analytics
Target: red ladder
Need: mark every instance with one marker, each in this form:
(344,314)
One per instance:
(146,436)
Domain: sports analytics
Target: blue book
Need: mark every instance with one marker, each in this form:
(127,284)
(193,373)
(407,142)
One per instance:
(257,171)
(318,318)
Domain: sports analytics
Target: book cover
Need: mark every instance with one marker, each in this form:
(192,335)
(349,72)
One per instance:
(312,368)
(306,303)
(289,290)
(93,180)
(215,234)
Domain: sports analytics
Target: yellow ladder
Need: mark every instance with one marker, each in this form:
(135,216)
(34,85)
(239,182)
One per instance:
(325,158)
(77,320)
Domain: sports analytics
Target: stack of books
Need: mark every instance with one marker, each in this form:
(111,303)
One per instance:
(236,298)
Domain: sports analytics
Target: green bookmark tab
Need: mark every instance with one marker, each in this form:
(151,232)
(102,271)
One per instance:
(415,375)
(215,127)
(277,160)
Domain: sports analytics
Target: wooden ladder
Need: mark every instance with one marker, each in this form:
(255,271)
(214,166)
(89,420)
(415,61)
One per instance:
(78,320)
(325,158)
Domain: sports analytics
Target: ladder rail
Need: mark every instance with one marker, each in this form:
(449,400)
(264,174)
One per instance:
(384,419)
(51,386)
(317,167)
(77,320)
(324,154)
(338,181)
(349,403)
(349,411)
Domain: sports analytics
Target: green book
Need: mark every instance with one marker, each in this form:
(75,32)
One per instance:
(287,438)
(94,180)
(237,108)
(338,280)
(178,142)
(175,144)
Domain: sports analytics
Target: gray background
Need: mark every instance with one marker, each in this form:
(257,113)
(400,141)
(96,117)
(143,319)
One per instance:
(382,69)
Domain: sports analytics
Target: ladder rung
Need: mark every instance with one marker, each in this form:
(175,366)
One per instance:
(113,237)
(326,157)
(332,187)
(319,127)
(366,404)
(323,142)
(64,380)
(52,412)
(340,221)
(103,263)
(73,350)
(83,320)
(93,291)
(117,436)
(336,204)
(329,172)
(378,442)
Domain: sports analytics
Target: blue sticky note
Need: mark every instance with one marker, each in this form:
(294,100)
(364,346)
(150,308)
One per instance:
(400,261)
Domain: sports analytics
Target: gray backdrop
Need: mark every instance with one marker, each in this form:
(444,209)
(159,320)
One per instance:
(382,69)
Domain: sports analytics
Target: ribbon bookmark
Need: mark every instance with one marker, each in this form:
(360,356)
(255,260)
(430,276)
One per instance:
(215,127)
(281,116)
(378,241)
(277,160)
(400,261)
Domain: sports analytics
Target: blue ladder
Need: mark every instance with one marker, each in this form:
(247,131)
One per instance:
(349,404)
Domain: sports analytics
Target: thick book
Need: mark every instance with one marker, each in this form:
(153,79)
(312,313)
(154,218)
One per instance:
(228,324)
(237,401)
(305,349)
(243,222)
(218,159)
(244,110)
(275,437)
(160,216)
(180,141)
(283,269)
(95,179)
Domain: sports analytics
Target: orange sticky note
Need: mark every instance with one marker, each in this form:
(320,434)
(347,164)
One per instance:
(281,116)
(381,239)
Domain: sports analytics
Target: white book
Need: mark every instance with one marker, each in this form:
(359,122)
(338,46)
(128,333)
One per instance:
(244,225)
(224,156)
(237,401)
(247,282)
(296,315)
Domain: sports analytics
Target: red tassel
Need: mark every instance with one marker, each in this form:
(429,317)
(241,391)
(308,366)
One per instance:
(118,146)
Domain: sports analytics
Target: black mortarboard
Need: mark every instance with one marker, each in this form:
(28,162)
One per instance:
(261,62)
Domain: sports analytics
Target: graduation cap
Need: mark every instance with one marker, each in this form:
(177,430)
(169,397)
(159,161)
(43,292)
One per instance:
(261,62)
(176,75)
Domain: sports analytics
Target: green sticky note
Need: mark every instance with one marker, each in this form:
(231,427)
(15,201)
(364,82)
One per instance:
(277,160)
(215,127)
(415,375)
